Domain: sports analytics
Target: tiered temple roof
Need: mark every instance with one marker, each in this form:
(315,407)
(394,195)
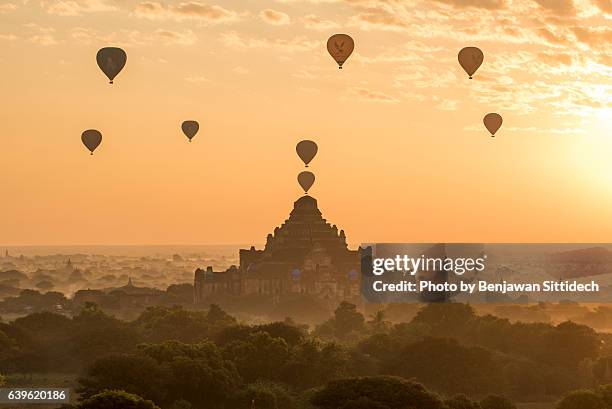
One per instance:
(305,254)
(302,235)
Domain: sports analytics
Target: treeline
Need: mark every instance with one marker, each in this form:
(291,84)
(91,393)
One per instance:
(206,359)
(37,301)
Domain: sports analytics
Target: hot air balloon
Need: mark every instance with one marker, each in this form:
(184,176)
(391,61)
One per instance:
(492,122)
(470,59)
(306,150)
(111,61)
(306,179)
(190,129)
(91,138)
(340,47)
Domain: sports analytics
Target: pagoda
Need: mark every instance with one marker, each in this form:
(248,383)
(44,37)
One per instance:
(305,255)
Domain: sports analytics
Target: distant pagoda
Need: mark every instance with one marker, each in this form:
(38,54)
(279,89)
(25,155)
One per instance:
(306,254)
(304,231)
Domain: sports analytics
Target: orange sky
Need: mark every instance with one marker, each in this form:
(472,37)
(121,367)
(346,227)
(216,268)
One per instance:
(403,154)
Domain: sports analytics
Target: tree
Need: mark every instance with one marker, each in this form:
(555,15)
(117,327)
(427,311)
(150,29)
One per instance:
(181,404)
(378,324)
(166,373)
(386,391)
(465,369)
(265,395)
(259,357)
(461,402)
(314,362)
(364,403)
(159,324)
(199,381)
(605,392)
(346,322)
(570,343)
(96,334)
(446,320)
(50,333)
(583,399)
(496,402)
(347,318)
(116,400)
(7,346)
(292,334)
(137,374)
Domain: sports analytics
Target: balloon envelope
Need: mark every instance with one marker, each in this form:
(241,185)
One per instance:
(91,138)
(470,59)
(306,179)
(190,129)
(340,47)
(111,61)
(306,150)
(492,122)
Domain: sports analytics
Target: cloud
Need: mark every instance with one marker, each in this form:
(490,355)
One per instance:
(410,51)
(448,105)
(551,37)
(309,90)
(484,4)
(295,44)
(186,10)
(41,35)
(594,38)
(85,35)
(556,58)
(312,22)
(558,7)
(372,96)
(277,18)
(311,1)
(168,37)
(604,5)
(523,129)
(76,7)
(197,79)
(7,7)
(379,18)
(304,74)
(8,37)
(43,39)
(241,70)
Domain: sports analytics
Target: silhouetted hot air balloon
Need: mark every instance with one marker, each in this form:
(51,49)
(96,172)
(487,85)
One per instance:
(306,179)
(470,59)
(306,150)
(91,138)
(190,129)
(492,122)
(340,47)
(111,61)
